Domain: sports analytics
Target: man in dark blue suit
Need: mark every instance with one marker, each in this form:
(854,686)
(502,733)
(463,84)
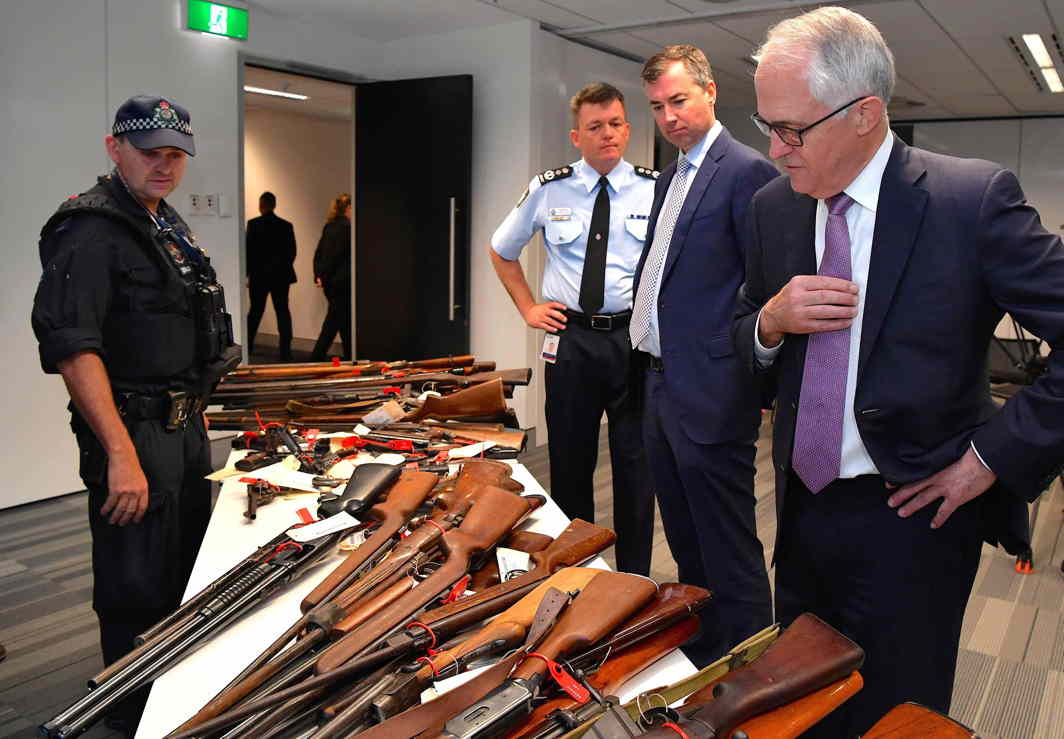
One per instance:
(701,409)
(271,254)
(876,276)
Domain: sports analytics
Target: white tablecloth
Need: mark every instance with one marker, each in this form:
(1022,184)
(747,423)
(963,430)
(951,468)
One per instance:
(187,686)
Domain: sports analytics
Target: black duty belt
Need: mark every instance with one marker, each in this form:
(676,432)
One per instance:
(175,407)
(600,321)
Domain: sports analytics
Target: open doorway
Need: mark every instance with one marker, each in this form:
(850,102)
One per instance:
(298,146)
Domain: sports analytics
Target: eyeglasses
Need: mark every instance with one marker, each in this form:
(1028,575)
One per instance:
(793,136)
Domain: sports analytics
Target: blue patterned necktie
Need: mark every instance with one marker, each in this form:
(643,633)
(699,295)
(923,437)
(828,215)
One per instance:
(817,454)
(648,285)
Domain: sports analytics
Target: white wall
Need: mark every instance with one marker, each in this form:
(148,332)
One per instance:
(306,162)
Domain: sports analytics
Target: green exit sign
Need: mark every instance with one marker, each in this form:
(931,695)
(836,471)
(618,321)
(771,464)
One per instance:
(218,19)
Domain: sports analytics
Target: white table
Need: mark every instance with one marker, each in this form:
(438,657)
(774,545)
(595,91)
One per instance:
(187,686)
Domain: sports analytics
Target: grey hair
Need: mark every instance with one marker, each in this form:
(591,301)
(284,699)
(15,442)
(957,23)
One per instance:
(844,55)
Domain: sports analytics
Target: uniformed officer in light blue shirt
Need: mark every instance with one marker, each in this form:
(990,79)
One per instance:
(593,214)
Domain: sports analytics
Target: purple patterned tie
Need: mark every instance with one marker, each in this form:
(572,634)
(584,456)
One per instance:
(818,431)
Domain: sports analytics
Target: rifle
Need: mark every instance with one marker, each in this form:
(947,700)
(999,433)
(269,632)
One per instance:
(305,369)
(913,721)
(418,380)
(405,496)
(809,655)
(663,624)
(609,599)
(287,561)
(395,692)
(401,645)
(495,512)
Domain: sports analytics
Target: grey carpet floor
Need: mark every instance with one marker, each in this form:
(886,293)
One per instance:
(1010,680)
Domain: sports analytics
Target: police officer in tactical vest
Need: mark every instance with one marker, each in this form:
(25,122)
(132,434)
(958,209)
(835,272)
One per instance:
(129,312)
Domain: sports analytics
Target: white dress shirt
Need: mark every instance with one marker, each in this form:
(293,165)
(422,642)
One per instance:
(651,343)
(861,223)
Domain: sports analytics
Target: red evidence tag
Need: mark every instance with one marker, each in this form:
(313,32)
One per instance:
(335,361)
(391,391)
(457,590)
(311,435)
(305,516)
(566,682)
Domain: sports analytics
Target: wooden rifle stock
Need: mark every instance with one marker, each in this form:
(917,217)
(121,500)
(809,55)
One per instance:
(578,543)
(791,720)
(521,541)
(495,512)
(480,401)
(409,492)
(807,656)
(913,721)
(664,624)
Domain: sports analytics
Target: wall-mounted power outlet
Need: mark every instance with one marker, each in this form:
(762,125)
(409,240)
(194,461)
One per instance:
(196,205)
(211,204)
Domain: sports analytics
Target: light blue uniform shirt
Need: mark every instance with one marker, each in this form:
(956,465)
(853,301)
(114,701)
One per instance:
(562,207)
(651,343)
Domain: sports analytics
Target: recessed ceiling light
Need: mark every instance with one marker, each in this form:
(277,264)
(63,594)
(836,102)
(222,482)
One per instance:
(1038,50)
(1053,80)
(275,93)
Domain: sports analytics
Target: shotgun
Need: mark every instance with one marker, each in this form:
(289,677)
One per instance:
(521,541)
(913,721)
(807,656)
(793,719)
(408,493)
(480,401)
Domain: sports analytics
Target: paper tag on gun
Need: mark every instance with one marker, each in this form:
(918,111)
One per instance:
(448,684)
(511,563)
(332,524)
(550,347)
(389,412)
(472,450)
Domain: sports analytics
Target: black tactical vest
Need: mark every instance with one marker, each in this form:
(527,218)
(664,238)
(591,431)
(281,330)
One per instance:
(168,317)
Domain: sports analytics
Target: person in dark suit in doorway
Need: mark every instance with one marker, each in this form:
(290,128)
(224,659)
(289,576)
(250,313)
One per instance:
(875,277)
(332,273)
(271,253)
(701,408)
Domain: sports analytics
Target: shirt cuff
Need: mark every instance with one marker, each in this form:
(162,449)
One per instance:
(980,457)
(765,357)
(66,342)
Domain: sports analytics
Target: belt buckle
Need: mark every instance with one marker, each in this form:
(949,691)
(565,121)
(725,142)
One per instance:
(179,407)
(602,323)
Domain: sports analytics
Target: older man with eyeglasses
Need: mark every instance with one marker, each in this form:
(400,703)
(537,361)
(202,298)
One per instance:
(875,277)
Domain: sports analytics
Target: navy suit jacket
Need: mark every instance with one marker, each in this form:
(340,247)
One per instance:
(271,250)
(707,385)
(955,246)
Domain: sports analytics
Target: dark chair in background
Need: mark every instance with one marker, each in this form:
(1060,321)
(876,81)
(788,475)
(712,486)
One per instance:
(1014,363)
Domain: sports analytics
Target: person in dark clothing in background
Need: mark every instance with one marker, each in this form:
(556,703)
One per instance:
(332,273)
(271,245)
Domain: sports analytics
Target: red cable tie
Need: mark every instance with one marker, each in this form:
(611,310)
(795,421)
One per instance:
(675,727)
(282,546)
(429,631)
(566,682)
(335,361)
(436,524)
(429,662)
(258,419)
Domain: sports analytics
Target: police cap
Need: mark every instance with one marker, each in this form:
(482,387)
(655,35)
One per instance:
(152,122)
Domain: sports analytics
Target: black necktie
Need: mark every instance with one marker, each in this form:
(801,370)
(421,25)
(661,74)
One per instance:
(593,280)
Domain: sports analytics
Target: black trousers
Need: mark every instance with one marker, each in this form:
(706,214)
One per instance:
(588,379)
(278,293)
(894,585)
(337,319)
(140,570)
(706,497)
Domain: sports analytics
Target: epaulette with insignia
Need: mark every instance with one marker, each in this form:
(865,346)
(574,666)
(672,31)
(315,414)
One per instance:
(650,174)
(547,175)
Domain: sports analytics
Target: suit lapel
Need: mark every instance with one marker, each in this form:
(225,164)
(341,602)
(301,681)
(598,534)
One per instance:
(898,217)
(699,186)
